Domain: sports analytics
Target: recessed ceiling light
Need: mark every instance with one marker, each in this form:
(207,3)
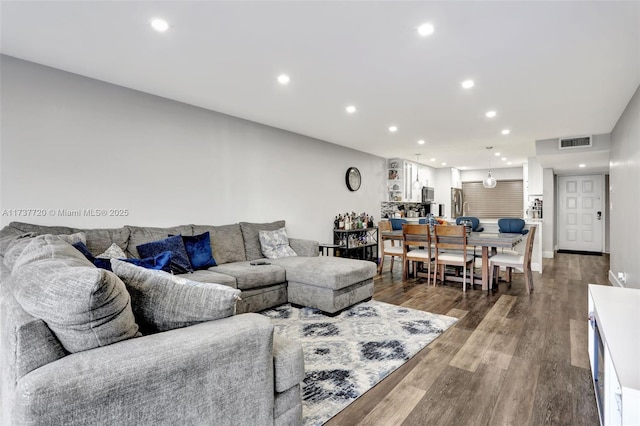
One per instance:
(497,154)
(582,165)
(504,158)
(506,131)
(393,129)
(444,164)
(160,25)
(467,84)
(509,163)
(283,79)
(351,109)
(433,159)
(490,114)
(421,142)
(425,29)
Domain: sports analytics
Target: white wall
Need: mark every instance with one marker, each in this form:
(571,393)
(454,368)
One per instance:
(624,179)
(70,142)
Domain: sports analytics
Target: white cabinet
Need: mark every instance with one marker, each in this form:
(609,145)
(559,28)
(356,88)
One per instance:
(534,177)
(614,353)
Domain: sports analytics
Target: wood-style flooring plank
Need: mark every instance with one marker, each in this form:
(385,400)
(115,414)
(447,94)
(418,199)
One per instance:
(514,403)
(579,342)
(395,407)
(524,354)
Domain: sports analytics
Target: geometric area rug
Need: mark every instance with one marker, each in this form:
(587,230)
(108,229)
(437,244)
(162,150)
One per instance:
(346,355)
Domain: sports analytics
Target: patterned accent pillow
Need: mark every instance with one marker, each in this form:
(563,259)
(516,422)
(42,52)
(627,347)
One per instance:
(162,301)
(275,244)
(179,259)
(113,252)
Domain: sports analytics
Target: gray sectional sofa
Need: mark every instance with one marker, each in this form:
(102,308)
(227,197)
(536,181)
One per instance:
(227,371)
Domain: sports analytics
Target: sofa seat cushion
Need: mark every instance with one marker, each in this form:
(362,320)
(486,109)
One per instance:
(84,306)
(226,242)
(142,235)
(209,276)
(330,272)
(250,234)
(249,276)
(162,301)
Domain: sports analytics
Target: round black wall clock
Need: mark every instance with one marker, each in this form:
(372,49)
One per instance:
(353,179)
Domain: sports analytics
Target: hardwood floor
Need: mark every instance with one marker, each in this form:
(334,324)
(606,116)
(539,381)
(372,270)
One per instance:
(511,359)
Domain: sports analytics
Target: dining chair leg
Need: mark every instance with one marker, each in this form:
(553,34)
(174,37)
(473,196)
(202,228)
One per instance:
(491,274)
(530,273)
(464,278)
(381,266)
(393,260)
(405,264)
(527,280)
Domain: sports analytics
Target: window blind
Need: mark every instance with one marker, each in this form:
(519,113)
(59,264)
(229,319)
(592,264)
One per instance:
(505,200)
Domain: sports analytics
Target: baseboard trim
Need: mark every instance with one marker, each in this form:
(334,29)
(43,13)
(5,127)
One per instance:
(614,280)
(548,254)
(536,267)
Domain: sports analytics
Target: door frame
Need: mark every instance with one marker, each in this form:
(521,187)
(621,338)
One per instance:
(605,207)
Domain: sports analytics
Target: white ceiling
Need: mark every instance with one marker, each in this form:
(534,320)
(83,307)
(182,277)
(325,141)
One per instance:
(549,69)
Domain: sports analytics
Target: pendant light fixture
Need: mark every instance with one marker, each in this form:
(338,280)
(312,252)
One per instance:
(417,185)
(489,181)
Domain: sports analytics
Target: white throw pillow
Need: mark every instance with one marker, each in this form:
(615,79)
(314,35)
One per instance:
(113,252)
(275,244)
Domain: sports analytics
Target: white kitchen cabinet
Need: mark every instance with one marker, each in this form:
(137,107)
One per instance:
(535,180)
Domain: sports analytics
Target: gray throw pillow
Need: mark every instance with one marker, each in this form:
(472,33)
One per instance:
(162,301)
(252,247)
(275,244)
(84,306)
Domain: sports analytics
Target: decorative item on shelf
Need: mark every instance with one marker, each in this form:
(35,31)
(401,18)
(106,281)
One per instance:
(489,181)
(393,175)
(350,221)
(417,185)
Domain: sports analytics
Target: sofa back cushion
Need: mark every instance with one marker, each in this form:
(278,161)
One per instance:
(227,244)
(84,306)
(252,247)
(98,240)
(142,234)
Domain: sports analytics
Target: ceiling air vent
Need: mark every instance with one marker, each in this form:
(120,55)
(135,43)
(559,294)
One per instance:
(576,142)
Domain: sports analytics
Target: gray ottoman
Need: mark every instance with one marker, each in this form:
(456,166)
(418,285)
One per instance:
(330,284)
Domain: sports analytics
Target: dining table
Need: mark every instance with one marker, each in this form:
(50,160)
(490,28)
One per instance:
(489,241)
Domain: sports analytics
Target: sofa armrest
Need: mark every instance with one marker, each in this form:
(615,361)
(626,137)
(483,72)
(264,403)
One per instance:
(304,247)
(288,363)
(214,371)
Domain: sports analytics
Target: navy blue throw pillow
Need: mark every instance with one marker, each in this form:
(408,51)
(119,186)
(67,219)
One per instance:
(159,262)
(199,250)
(179,258)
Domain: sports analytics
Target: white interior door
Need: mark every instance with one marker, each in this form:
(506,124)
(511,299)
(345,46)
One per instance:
(580,208)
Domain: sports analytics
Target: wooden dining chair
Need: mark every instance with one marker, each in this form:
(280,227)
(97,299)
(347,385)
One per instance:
(392,250)
(451,250)
(416,244)
(515,260)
